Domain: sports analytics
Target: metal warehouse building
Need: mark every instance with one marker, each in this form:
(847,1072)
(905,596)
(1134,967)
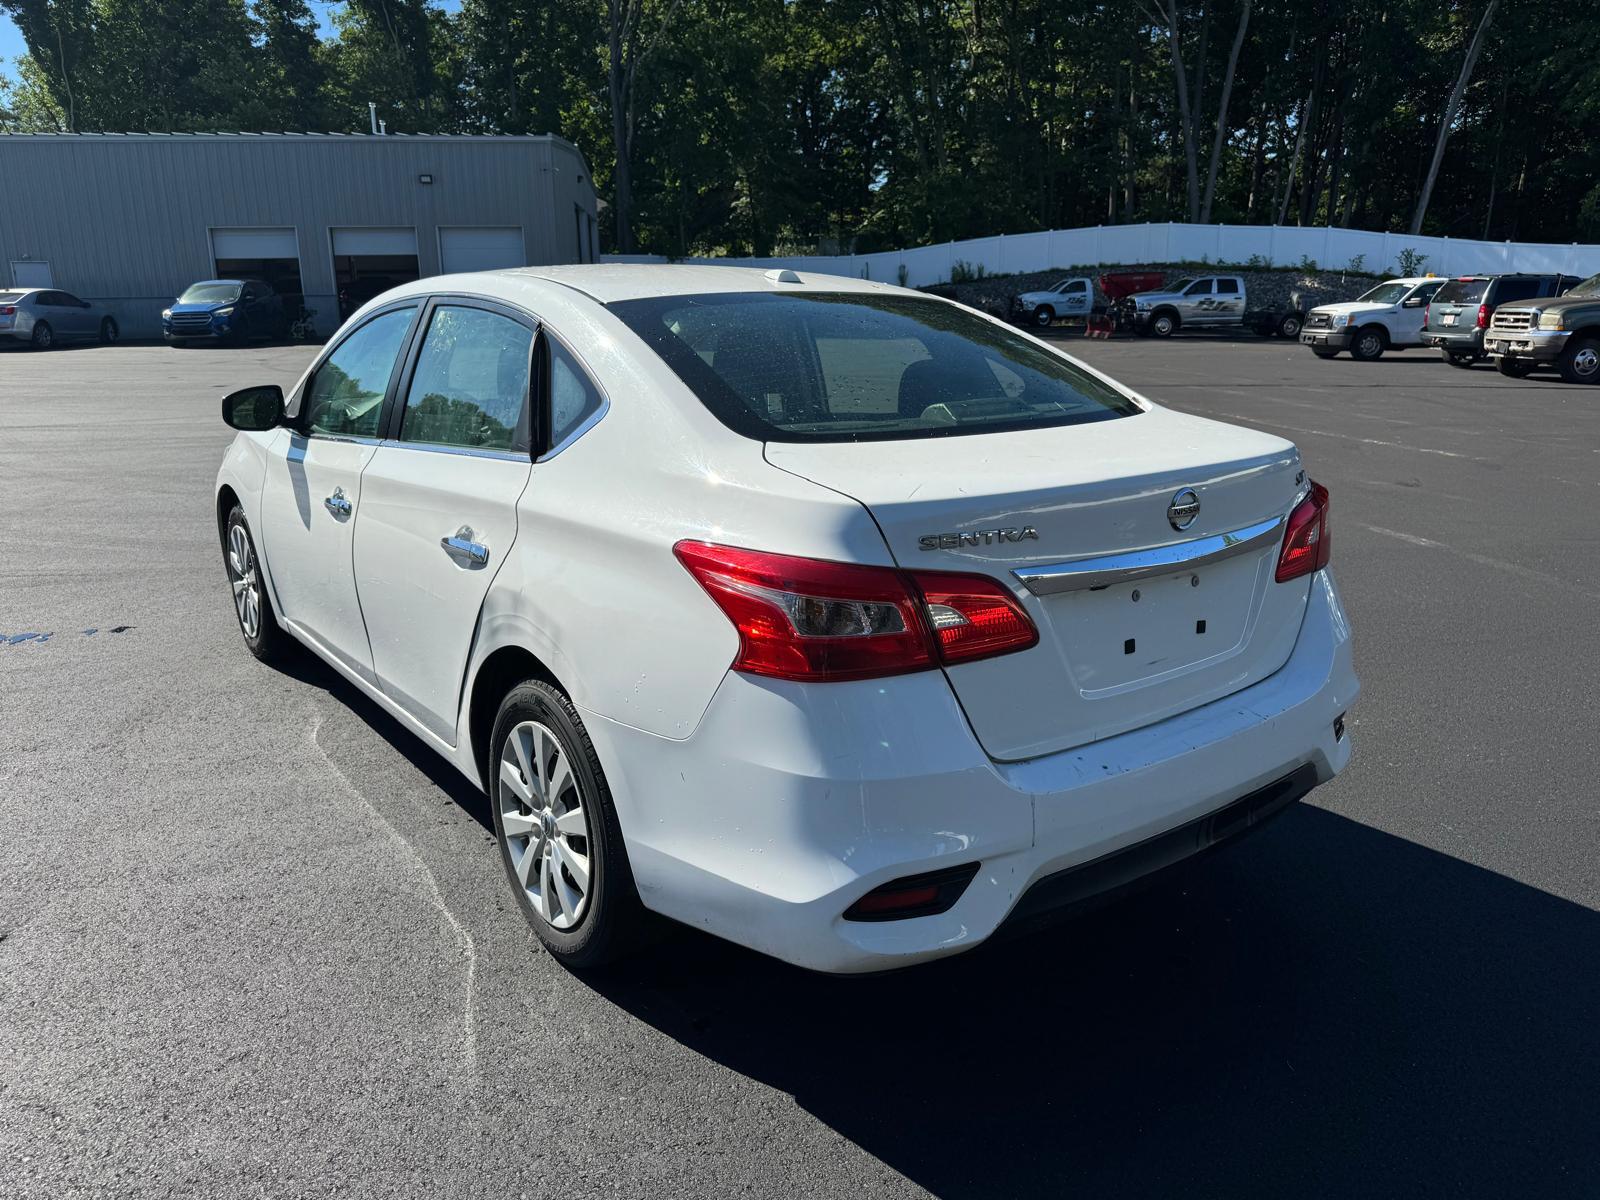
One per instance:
(130,220)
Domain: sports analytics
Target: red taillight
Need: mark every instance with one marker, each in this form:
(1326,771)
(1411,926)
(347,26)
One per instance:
(1306,543)
(810,619)
(8,310)
(1483,316)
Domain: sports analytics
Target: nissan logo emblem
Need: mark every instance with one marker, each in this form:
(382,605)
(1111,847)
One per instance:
(1185,507)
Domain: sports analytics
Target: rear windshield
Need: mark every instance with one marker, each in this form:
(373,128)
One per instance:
(209,293)
(1462,291)
(843,368)
(11,297)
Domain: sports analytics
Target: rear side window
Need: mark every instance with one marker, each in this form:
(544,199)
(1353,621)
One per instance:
(346,393)
(1227,287)
(814,367)
(573,397)
(471,383)
(1462,291)
(1518,289)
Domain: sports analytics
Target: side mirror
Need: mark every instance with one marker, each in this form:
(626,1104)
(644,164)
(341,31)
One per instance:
(253,409)
(1414,302)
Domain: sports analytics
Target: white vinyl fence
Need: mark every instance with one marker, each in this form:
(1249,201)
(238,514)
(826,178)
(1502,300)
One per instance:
(1128,245)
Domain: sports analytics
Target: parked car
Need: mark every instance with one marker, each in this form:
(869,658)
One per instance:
(1203,302)
(225,310)
(1562,332)
(1460,311)
(43,317)
(1069,298)
(1387,317)
(859,625)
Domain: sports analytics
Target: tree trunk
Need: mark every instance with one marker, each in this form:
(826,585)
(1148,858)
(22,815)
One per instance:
(622,176)
(1294,163)
(1220,138)
(1474,47)
(1169,13)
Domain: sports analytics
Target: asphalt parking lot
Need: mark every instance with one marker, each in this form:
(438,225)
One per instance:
(254,940)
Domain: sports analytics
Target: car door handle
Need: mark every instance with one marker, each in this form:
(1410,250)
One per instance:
(337,504)
(462,545)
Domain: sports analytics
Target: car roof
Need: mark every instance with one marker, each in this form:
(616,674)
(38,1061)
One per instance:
(611,282)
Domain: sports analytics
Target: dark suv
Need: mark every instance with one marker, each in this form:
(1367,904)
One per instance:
(232,310)
(1459,312)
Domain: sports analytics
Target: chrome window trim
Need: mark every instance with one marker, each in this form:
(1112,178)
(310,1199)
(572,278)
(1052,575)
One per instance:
(1081,574)
(464,451)
(582,427)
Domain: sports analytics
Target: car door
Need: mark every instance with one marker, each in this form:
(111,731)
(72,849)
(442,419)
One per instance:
(1229,306)
(439,500)
(311,498)
(1411,314)
(1075,297)
(1195,307)
(70,315)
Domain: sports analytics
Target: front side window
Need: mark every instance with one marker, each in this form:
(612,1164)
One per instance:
(1076,286)
(1427,291)
(471,383)
(346,394)
(815,367)
(1200,288)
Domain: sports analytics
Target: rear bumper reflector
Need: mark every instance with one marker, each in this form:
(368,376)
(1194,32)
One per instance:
(913,895)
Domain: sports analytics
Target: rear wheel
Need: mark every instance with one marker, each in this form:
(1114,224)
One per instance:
(1458,358)
(1580,362)
(251,605)
(1289,327)
(43,336)
(1514,368)
(1368,344)
(1164,324)
(560,842)
(109,331)
(1324,352)
(1044,316)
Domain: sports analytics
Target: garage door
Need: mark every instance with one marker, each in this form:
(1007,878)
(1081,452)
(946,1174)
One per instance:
(481,249)
(375,241)
(254,243)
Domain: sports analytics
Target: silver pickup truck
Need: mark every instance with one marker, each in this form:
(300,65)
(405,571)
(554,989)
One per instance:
(1200,301)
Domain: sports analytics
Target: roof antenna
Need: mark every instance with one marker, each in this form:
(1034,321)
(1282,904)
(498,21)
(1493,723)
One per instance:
(372,111)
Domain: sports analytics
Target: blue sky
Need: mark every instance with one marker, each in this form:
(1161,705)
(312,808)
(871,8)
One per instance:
(11,44)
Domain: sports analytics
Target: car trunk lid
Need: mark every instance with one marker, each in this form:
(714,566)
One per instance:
(1138,620)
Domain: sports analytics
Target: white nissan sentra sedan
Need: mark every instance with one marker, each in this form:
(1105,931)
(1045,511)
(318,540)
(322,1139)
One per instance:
(838,620)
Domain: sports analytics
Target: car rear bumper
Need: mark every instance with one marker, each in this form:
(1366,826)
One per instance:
(1455,341)
(1534,345)
(1329,339)
(790,802)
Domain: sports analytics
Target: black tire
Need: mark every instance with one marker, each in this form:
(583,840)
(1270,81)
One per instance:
(1044,316)
(44,338)
(610,920)
(264,637)
(1368,344)
(109,332)
(1163,323)
(1324,352)
(1514,368)
(1580,361)
(1289,327)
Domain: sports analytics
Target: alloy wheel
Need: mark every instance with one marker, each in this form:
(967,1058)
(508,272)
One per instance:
(543,818)
(246,581)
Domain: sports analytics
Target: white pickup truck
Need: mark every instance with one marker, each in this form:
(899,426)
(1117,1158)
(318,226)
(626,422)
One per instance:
(1388,317)
(1068,298)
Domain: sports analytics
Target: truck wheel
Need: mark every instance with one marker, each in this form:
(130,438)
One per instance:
(1289,327)
(1163,324)
(1043,316)
(1458,359)
(1580,362)
(1324,352)
(1514,368)
(1367,345)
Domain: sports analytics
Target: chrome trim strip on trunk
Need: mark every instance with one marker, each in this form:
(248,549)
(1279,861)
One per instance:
(1080,574)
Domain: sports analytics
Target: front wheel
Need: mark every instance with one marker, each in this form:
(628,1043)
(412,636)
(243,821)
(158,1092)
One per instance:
(1289,327)
(109,332)
(43,336)
(251,605)
(1044,316)
(1367,345)
(1580,362)
(559,839)
(1513,368)
(1163,324)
